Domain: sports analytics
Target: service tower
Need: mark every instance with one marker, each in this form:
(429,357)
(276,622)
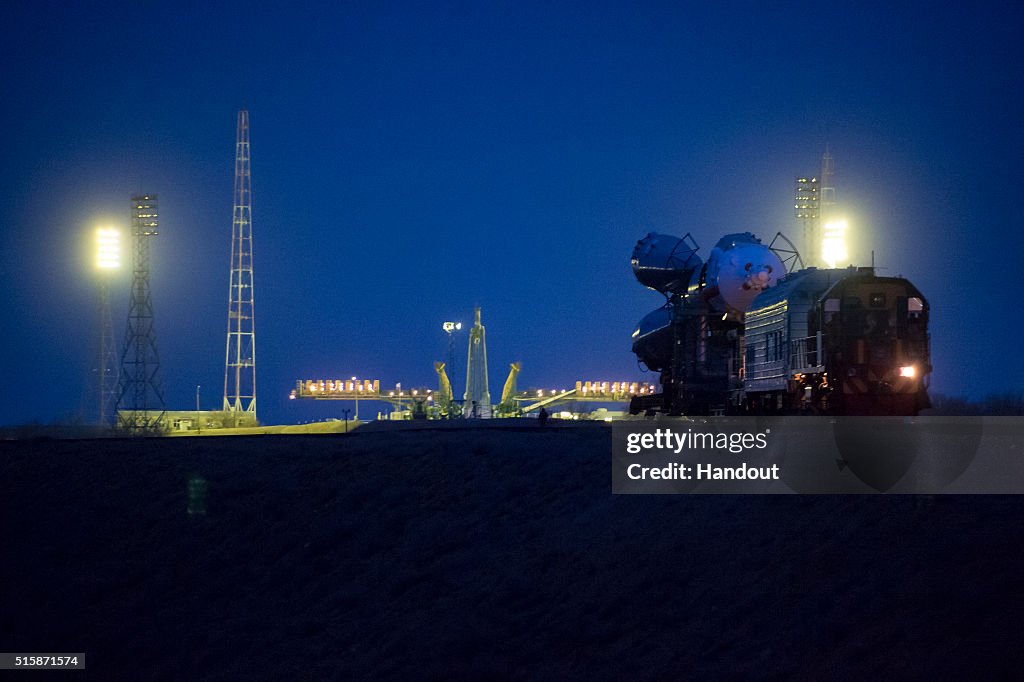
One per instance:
(478,396)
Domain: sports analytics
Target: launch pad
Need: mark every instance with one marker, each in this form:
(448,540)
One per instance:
(424,401)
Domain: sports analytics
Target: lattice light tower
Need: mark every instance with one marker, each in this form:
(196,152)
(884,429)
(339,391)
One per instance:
(808,211)
(815,205)
(828,189)
(108,262)
(140,405)
(240,354)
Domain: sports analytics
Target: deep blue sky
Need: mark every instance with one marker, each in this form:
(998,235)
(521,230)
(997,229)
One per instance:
(412,160)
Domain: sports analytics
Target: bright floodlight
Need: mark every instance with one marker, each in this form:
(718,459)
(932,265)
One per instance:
(833,243)
(908,371)
(108,248)
(451,326)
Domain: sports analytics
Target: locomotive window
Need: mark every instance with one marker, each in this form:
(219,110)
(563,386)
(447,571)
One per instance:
(901,316)
(773,347)
(832,305)
(877,300)
(915,305)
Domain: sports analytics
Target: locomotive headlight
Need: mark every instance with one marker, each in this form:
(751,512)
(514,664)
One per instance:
(909,371)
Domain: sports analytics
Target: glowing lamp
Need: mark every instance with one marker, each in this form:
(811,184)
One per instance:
(833,242)
(909,371)
(108,248)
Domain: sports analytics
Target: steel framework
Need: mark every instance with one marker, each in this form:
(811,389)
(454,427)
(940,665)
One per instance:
(140,404)
(108,376)
(240,351)
(808,210)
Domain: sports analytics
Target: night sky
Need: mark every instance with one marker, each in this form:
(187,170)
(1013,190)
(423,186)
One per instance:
(413,160)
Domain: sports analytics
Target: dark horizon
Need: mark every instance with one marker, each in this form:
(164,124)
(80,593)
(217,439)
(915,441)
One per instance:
(411,162)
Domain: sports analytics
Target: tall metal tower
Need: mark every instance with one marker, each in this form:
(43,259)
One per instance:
(108,261)
(240,352)
(815,203)
(808,211)
(140,404)
(828,190)
(477,396)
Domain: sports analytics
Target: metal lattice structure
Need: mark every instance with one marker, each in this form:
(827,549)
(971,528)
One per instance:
(108,374)
(240,352)
(815,203)
(478,395)
(828,189)
(808,212)
(140,404)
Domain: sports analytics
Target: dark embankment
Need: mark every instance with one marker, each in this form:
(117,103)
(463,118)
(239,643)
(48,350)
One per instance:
(485,553)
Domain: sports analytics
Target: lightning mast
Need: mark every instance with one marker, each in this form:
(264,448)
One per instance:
(140,404)
(240,352)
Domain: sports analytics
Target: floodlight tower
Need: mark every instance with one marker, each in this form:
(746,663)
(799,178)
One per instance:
(240,352)
(450,328)
(808,211)
(108,262)
(832,246)
(140,403)
(828,190)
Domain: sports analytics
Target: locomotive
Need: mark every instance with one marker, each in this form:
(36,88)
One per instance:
(738,335)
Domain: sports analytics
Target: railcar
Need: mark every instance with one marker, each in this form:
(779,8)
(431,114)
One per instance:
(837,342)
(735,336)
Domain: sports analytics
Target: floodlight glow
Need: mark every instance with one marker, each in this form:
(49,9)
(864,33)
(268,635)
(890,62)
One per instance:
(833,243)
(108,248)
(908,371)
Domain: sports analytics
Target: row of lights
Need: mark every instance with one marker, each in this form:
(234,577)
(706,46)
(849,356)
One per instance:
(613,388)
(592,388)
(363,386)
(414,392)
(353,385)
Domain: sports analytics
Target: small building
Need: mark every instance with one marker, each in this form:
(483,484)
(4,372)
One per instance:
(177,421)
